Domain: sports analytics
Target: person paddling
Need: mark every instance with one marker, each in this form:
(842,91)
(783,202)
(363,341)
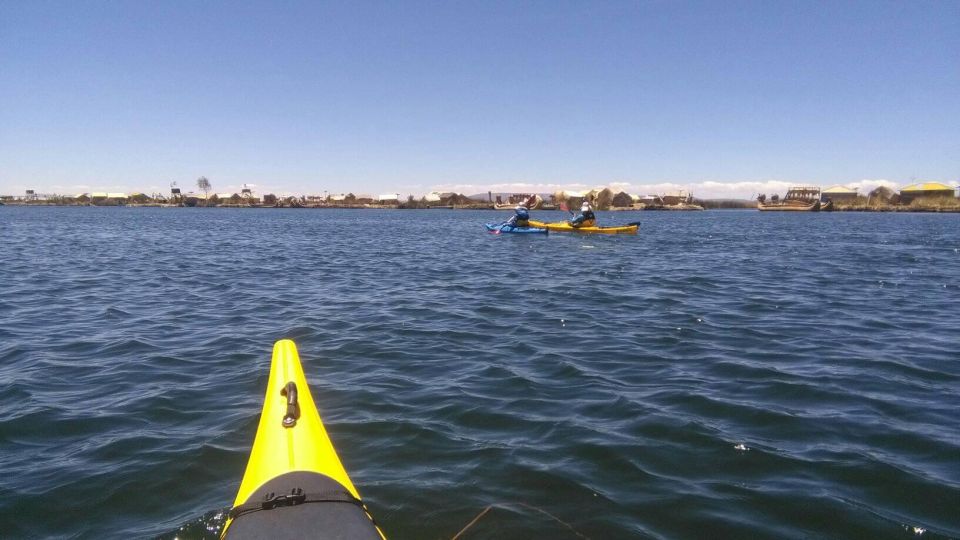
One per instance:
(520,217)
(585,218)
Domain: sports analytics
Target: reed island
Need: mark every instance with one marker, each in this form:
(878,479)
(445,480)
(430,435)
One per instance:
(918,197)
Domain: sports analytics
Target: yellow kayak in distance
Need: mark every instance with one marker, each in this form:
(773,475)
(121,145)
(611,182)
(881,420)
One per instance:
(294,485)
(563,226)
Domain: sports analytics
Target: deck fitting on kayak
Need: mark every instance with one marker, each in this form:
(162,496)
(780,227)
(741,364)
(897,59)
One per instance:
(272,500)
(293,408)
(297,497)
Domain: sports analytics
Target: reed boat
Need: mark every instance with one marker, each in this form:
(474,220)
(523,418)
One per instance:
(797,199)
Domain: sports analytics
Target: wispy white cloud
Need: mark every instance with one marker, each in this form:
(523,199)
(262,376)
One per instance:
(511,187)
(706,189)
(867,185)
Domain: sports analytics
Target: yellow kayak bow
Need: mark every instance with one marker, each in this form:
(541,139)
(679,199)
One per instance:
(294,485)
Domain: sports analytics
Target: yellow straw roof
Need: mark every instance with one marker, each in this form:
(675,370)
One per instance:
(928,186)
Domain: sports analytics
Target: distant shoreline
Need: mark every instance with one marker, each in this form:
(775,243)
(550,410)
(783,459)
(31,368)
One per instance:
(887,208)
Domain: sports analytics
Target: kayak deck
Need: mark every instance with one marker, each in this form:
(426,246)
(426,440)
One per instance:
(563,226)
(501,227)
(293,460)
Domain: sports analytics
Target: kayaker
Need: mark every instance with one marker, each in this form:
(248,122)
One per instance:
(585,218)
(520,217)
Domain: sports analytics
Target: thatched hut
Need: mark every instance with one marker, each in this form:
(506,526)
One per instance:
(884,194)
(926,190)
(839,194)
(622,200)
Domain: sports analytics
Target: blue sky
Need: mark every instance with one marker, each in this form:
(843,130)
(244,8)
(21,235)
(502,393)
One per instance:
(724,98)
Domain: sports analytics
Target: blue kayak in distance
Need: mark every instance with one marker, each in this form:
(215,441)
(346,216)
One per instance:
(504,228)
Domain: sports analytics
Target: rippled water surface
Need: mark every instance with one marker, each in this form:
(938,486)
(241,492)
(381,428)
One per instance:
(722,374)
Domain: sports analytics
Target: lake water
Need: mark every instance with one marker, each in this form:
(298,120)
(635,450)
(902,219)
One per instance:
(722,374)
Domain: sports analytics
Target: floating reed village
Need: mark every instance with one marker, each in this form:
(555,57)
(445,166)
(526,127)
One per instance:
(918,197)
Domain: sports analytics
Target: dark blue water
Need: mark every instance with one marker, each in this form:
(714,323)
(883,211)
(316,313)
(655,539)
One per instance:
(723,374)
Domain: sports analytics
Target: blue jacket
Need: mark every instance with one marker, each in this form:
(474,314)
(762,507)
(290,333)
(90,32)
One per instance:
(582,216)
(520,218)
